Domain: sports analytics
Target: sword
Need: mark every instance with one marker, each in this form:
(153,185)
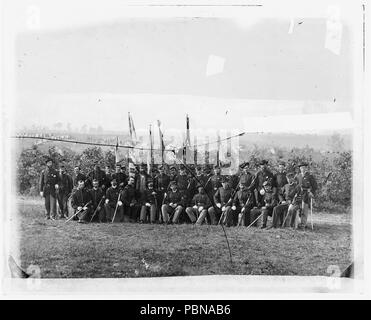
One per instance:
(96,209)
(77,212)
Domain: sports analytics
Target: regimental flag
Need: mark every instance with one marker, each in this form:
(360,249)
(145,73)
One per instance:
(133,134)
(119,152)
(162,144)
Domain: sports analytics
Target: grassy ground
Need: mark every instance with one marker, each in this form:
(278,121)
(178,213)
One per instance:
(72,250)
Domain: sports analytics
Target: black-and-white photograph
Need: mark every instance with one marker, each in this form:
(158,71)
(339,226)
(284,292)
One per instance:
(172,140)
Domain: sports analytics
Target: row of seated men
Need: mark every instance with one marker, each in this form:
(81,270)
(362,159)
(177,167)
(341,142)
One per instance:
(242,205)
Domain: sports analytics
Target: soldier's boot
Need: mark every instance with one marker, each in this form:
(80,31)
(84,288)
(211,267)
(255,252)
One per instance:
(143,214)
(265,219)
(240,219)
(212,217)
(191,215)
(165,214)
(201,217)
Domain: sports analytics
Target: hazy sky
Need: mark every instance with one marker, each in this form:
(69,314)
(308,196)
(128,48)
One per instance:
(156,68)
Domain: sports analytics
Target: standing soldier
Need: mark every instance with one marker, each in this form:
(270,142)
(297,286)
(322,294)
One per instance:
(201,204)
(173,173)
(47,185)
(215,180)
(97,196)
(222,198)
(149,203)
(99,175)
(63,192)
(246,176)
(280,181)
(162,182)
(107,178)
(174,203)
(77,176)
(256,186)
(120,176)
(81,201)
(142,180)
(194,182)
(308,186)
(113,202)
(129,196)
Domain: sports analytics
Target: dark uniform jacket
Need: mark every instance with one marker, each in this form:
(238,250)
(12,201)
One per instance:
(99,175)
(233,181)
(80,198)
(173,177)
(65,183)
(121,179)
(269,199)
(112,195)
(162,182)
(176,197)
(107,180)
(201,199)
(182,182)
(260,177)
(215,182)
(76,178)
(222,195)
(96,196)
(307,183)
(281,182)
(149,196)
(141,182)
(292,191)
(129,195)
(246,178)
(241,197)
(48,180)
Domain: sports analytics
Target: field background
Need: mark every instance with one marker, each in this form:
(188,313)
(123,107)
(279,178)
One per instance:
(72,250)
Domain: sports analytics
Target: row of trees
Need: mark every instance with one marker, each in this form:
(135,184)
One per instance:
(333,171)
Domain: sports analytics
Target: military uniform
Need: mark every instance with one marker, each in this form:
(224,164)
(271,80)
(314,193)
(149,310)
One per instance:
(308,186)
(223,197)
(112,196)
(257,184)
(198,212)
(100,176)
(97,194)
(121,179)
(243,201)
(215,183)
(81,198)
(47,182)
(130,196)
(149,202)
(174,203)
(63,192)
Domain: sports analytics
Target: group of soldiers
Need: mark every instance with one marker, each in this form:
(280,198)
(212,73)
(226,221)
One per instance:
(181,194)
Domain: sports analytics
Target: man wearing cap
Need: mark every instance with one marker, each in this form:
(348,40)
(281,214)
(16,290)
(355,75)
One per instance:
(201,204)
(120,176)
(130,196)
(182,180)
(113,202)
(280,181)
(200,178)
(223,201)
(142,179)
(97,196)
(48,183)
(173,173)
(246,176)
(81,202)
(174,203)
(98,175)
(215,180)
(242,204)
(256,186)
(77,176)
(308,185)
(148,203)
(63,192)
(269,198)
(107,177)
(284,214)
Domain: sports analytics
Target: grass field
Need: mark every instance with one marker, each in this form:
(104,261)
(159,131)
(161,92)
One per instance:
(72,250)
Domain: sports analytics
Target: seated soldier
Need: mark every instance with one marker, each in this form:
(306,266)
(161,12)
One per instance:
(243,202)
(148,202)
(81,202)
(97,196)
(130,197)
(223,200)
(113,204)
(201,202)
(174,203)
(269,200)
(281,215)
